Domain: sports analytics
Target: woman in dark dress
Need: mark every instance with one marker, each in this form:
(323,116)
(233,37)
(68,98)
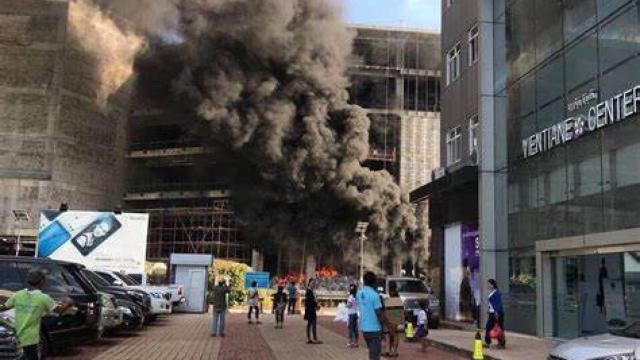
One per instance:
(310,312)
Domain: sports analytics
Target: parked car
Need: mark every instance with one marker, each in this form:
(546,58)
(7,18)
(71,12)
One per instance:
(621,344)
(10,348)
(177,290)
(134,304)
(159,301)
(414,294)
(63,280)
(111,315)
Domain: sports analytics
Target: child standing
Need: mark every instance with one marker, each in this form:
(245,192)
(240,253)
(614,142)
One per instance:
(253,300)
(352,311)
(423,326)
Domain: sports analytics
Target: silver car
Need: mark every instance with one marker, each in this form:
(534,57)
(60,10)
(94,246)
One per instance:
(618,345)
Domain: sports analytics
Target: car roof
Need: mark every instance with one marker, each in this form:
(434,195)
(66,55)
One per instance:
(36,260)
(401,278)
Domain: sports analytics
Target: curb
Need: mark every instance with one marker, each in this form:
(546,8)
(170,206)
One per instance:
(456,350)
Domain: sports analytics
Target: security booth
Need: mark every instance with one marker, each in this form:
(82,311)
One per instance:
(191,271)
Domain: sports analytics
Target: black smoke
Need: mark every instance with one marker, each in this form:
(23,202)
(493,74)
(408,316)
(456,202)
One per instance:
(268,78)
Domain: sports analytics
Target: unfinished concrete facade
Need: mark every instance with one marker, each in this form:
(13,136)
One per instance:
(395,75)
(173,176)
(58,142)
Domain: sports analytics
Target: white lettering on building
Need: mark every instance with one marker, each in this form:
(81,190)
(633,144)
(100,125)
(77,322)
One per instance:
(605,113)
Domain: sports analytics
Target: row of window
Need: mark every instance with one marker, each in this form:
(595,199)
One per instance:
(454,141)
(454,55)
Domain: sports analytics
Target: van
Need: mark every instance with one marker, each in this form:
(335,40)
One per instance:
(413,293)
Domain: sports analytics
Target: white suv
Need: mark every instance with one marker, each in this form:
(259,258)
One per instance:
(160,300)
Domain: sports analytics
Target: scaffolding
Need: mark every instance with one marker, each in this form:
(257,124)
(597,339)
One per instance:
(204,230)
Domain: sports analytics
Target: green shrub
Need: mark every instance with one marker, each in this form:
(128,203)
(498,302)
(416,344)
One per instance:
(234,273)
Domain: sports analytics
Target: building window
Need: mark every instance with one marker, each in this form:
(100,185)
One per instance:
(474,135)
(453,64)
(473,45)
(454,141)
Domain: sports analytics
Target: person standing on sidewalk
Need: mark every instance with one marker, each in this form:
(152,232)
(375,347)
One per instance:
(496,314)
(352,311)
(310,312)
(253,300)
(30,305)
(220,306)
(372,316)
(293,293)
(280,303)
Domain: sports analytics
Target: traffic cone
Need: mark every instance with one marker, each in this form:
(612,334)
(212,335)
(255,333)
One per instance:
(409,333)
(478,353)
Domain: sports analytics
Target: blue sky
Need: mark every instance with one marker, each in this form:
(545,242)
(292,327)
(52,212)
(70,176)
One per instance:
(423,14)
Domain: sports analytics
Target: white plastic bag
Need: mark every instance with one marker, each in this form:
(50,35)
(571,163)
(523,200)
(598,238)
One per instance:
(342,314)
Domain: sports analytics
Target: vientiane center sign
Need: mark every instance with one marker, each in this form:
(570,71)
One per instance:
(608,112)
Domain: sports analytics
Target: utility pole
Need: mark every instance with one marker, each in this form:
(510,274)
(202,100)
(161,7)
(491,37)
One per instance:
(361,229)
(20,216)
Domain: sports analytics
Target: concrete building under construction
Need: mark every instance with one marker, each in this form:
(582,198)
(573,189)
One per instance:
(395,76)
(62,133)
(172,174)
(70,132)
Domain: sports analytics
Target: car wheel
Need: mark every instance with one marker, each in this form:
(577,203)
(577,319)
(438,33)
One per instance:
(434,323)
(143,321)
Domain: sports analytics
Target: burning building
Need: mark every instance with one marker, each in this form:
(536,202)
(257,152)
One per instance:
(63,115)
(395,76)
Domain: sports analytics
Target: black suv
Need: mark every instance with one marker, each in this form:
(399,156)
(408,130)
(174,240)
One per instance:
(63,280)
(132,300)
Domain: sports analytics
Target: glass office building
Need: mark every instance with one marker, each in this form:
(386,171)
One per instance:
(572,69)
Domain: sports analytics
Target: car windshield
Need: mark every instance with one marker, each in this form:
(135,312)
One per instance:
(632,331)
(127,280)
(95,278)
(410,286)
(136,277)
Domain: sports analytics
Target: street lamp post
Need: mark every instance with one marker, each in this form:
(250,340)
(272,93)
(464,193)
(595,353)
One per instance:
(361,229)
(19,216)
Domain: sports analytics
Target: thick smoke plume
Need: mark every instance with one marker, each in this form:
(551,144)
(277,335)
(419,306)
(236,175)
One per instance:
(268,77)
(113,47)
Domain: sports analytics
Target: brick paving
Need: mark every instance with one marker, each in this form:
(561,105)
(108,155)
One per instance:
(186,336)
(406,351)
(290,343)
(244,341)
(175,337)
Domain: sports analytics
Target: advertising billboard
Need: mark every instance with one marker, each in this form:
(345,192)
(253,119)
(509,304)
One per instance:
(100,240)
(462,276)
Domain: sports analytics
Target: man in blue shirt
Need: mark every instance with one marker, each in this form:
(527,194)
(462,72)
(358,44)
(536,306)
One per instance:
(372,316)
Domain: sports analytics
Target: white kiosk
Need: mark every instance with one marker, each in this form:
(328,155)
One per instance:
(191,271)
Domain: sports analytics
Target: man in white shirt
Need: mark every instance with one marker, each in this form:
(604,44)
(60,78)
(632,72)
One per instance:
(253,300)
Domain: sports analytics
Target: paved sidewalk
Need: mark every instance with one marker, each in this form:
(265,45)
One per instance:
(187,337)
(519,346)
(290,343)
(406,351)
(184,336)
(179,337)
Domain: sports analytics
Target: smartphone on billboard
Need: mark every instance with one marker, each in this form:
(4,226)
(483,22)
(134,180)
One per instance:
(96,233)
(51,238)
(58,227)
